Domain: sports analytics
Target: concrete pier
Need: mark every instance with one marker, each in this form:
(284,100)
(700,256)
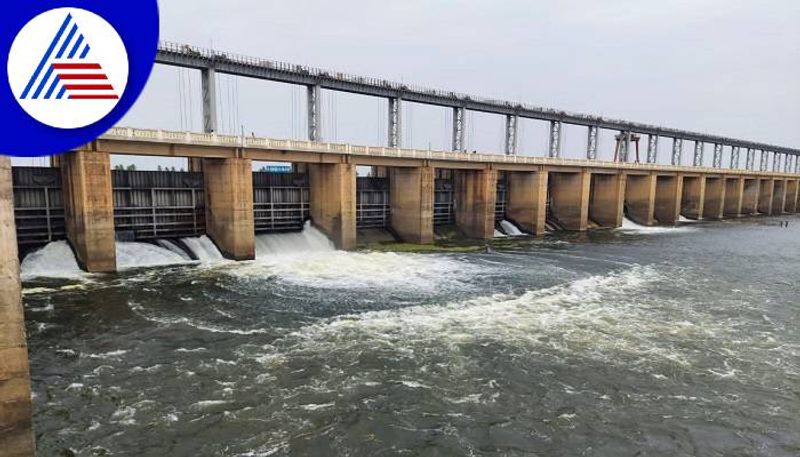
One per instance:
(476,195)
(640,198)
(778,196)
(229,206)
(527,200)
(333,201)
(569,199)
(714,198)
(693,198)
(607,197)
(792,188)
(89,208)
(750,197)
(16,435)
(765,192)
(669,191)
(411,195)
(734,194)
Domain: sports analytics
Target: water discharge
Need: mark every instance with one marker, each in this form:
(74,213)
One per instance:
(139,255)
(510,229)
(167,244)
(55,260)
(630,226)
(203,249)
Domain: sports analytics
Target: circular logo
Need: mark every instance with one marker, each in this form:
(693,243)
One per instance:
(68,68)
(73,69)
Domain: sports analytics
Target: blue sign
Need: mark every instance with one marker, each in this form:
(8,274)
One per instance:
(73,69)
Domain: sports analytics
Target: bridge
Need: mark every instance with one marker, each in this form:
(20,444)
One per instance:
(410,193)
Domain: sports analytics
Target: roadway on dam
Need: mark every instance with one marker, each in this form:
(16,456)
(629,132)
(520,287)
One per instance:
(658,341)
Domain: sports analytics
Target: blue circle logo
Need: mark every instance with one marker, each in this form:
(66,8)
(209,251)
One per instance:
(73,71)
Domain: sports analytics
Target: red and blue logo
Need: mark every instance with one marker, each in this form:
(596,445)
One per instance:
(73,70)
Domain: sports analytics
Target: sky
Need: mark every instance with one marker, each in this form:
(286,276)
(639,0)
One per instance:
(727,67)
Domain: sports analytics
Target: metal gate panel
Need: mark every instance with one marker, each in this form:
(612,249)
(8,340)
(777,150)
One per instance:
(444,202)
(502,200)
(281,201)
(38,205)
(372,202)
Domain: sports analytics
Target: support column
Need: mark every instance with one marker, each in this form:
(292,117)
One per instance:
(606,199)
(734,195)
(16,424)
(693,197)
(89,209)
(476,195)
(677,151)
(395,127)
(229,206)
(652,148)
(750,197)
(555,139)
(778,196)
(314,113)
(569,199)
(333,201)
(640,198)
(411,195)
(459,128)
(669,190)
(717,155)
(527,200)
(699,147)
(765,189)
(512,128)
(735,150)
(208,79)
(791,196)
(750,159)
(714,204)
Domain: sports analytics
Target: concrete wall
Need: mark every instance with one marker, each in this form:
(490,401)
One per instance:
(792,187)
(693,197)
(527,200)
(229,206)
(606,199)
(765,190)
(16,435)
(734,193)
(89,208)
(411,196)
(714,202)
(750,197)
(569,199)
(669,191)
(778,196)
(333,201)
(475,198)
(640,198)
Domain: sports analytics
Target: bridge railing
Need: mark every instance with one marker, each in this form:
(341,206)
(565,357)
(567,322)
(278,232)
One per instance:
(214,139)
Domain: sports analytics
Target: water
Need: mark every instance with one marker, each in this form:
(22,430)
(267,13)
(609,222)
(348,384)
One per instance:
(169,245)
(614,343)
(138,255)
(55,260)
(511,229)
(203,249)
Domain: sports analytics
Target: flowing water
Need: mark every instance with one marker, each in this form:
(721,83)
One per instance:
(616,343)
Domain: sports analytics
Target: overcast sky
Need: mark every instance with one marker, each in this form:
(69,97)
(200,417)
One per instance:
(728,67)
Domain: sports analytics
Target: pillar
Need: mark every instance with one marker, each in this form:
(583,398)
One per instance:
(527,200)
(411,196)
(229,206)
(606,199)
(569,199)
(16,425)
(669,190)
(714,199)
(89,209)
(750,197)
(333,201)
(734,194)
(640,198)
(778,196)
(693,196)
(475,198)
(765,190)
(791,196)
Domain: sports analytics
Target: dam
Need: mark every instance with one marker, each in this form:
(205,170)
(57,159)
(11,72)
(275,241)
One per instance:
(263,291)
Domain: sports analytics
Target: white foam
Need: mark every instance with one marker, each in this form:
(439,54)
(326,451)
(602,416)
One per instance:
(499,234)
(167,244)
(510,228)
(684,219)
(630,226)
(310,239)
(137,255)
(55,260)
(203,248)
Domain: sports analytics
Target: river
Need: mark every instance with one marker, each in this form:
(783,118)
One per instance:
(657,342)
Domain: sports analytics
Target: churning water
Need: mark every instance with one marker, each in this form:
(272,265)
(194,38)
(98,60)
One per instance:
(614,343)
